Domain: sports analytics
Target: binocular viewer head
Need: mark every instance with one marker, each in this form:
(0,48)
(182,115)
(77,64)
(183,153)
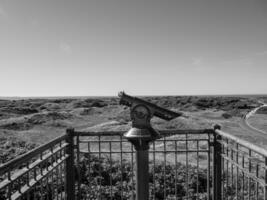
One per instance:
(142,111)
(145,106)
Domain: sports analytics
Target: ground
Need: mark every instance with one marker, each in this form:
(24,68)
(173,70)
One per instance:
(31,122)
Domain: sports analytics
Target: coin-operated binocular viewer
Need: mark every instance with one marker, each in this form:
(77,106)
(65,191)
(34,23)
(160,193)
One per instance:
(141,134)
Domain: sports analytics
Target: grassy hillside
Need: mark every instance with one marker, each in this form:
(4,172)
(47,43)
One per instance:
(35,121)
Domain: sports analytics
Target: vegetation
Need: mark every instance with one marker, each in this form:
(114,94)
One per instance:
(11,147)
(262,110)
(117,180)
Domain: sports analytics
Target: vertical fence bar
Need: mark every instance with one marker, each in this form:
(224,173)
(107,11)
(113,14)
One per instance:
(249,169)
(265,179)
(121,167)
(78,166)
(217,188)
(214,166)
(61,170)
(236,185)
(164,172)
(42,184)
(9,185)
(227,169)
(70,179)
(243,177)
(176,170)
(187,166)
(223,170)
(110,166)
(208,173)
(232,167)
(197,170)
(154,165)
(89,167)
(257,183)
(99,171)
(132,164)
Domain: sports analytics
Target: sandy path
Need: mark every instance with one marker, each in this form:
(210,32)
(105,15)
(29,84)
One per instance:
(245,124)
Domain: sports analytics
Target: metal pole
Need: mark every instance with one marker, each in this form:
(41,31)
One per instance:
(217,162)
(142,175)
(69,173)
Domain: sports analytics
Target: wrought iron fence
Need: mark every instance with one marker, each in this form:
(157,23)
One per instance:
(183,164)
(180,165)
(39,174)
(242,167)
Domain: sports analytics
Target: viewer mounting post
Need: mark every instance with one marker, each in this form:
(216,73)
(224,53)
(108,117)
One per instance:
(141,134)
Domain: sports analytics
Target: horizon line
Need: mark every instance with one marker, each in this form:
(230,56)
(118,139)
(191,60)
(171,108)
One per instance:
(158,95)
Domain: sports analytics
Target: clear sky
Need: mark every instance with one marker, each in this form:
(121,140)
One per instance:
(144,47)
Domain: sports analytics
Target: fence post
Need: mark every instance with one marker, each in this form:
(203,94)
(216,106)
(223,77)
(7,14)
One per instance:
(265,179)
(217,166)
(70,170)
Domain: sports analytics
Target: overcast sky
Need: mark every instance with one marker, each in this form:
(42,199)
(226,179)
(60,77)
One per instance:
(146,47)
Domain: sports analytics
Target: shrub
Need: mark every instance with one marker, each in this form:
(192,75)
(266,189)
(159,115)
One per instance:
(226,115)
(94,170)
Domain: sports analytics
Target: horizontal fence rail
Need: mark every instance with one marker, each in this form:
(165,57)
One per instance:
(183,164)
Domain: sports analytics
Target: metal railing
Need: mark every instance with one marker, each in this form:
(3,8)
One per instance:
(39,174)
(183,164)
(179,165)
(242,168)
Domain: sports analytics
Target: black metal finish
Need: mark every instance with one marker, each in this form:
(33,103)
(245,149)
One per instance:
(180,167)
(172,159)
(157,111)
(142,175)
(217,164)
(141,134)
(38,174)
(70,179)
(244,168)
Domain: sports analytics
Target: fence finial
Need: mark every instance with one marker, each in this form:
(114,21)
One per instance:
(69,130)
(217,126)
